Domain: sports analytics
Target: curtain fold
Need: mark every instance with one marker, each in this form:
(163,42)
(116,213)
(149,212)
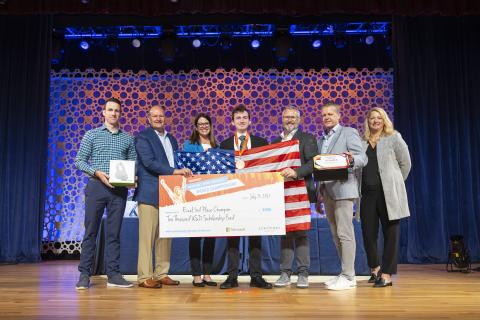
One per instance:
(24,105)
(437,110)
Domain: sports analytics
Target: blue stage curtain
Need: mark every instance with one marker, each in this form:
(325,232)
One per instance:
(437,110)
(25,45)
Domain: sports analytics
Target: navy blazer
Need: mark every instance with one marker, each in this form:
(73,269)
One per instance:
(152,161)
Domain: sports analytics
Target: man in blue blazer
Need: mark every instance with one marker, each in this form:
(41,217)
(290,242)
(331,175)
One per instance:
(339,196)
(155,156)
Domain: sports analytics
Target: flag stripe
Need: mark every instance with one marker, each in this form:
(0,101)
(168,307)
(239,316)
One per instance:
(297,219)
(276,159)
(259,151)
(298,212)
(298,205)
(290,227)
(297,198)
(292,191)
(295,183)
(270,167)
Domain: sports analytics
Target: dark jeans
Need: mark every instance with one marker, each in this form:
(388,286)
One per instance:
(372,209)
(98,197)
(201,256)
(254,253)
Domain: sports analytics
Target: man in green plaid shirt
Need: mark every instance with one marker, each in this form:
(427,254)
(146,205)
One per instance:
(97,148)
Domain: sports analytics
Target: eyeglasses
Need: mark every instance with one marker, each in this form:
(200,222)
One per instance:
(203,124)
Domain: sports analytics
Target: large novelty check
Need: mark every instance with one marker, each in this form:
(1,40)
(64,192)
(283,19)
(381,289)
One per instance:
(218,205)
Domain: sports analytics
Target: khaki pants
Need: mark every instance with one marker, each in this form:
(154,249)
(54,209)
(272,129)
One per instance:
(340,216)
(148,239)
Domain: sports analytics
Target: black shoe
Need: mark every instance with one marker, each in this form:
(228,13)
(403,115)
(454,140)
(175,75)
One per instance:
(373,278)
(209,283)
(259,282)
(381,283)
(198,284)
(230,283)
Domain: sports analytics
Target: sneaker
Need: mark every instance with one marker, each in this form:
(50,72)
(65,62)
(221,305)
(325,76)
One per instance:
(283,281)
(119,282)
(343,284)
(331,281)
(302,281)
(83,282)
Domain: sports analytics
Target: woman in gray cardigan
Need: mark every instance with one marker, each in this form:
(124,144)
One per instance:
(384,197)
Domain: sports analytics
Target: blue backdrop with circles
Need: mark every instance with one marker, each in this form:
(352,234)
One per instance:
(77,97)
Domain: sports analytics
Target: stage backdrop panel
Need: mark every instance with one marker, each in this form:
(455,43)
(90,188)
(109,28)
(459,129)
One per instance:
(77,97)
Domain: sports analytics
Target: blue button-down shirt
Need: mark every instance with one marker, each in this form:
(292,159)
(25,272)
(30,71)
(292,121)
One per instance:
(167,146)
(327,138)
(99,146)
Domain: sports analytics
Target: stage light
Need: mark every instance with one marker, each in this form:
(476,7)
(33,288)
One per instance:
(316,43)
(369,40)
(225,42)
(168,47)
(58,44)
(340,42)
(112,44)
(196,43)
(458,257)
(255,43)
(85,1)
(84,45)
(282,46)
(136,43)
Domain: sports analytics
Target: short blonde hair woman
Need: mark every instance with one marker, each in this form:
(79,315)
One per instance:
(384,196)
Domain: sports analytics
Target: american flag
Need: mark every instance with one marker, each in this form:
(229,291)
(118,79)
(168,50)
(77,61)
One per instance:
(209,162)
(276,157)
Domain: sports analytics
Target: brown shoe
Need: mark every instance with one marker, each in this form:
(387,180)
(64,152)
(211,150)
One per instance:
(168,281)
(150,284)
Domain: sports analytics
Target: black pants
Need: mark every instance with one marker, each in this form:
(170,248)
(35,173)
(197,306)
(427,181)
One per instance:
(254,253)
(201,256)
(373,208)
(98,197)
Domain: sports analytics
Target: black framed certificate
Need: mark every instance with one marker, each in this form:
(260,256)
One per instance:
(328,167)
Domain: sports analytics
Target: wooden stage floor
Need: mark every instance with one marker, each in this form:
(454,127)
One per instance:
(46,290)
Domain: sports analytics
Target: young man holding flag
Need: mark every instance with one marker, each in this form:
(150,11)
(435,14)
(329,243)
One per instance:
(242,140)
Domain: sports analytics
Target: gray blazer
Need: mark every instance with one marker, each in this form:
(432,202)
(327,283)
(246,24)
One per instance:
(394,164)
(346,140)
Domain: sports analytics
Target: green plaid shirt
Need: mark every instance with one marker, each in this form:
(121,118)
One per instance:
(99,146)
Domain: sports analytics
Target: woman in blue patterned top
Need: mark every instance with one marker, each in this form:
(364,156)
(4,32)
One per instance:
(202,139)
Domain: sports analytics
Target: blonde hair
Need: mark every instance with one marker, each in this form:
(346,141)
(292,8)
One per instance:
(387,123)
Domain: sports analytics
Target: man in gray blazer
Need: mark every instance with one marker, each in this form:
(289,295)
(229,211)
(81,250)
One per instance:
(339,196)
